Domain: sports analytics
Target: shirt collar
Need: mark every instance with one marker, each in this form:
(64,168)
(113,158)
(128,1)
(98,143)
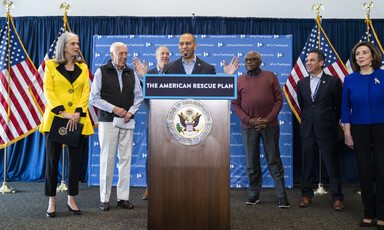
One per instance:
(193,60)
(114,66)
(317,77)
(257,72)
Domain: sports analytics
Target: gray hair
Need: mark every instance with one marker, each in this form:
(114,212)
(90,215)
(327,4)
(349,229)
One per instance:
(114,45)
(59,50)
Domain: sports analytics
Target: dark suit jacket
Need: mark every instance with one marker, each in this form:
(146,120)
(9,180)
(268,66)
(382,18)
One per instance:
(153,71)
(324,113)
(201,67)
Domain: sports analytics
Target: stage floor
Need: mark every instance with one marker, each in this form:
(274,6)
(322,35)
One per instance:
(26,209)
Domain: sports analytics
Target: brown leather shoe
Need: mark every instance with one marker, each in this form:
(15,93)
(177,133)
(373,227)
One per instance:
(305,202)
(338,205)
(145,195)
(124,204)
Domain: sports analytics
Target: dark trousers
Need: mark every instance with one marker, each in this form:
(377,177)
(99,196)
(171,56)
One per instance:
(310,147)
(369,148)
(52,157)
(251,139)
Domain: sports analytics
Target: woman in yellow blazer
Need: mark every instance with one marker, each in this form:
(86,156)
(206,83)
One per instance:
(66,89)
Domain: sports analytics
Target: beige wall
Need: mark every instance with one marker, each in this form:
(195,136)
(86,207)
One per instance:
(225,8)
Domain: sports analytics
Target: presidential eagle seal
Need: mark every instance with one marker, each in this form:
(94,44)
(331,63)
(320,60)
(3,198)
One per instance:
(189,122)
(63,131)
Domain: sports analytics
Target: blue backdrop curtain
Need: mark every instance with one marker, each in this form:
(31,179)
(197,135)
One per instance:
(26,157)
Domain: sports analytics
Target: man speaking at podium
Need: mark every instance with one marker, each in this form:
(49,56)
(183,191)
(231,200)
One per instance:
(189,63)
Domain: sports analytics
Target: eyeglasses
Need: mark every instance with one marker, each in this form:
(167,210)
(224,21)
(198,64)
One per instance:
(251,59)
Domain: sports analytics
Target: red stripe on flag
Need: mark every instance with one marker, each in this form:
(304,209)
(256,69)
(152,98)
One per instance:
(15,102)
(4,95)
(27,96)
(32,86)
(345,72)
(293,102)
(43,66)
(333,71)
(16,125)
(32,68)
(7,131)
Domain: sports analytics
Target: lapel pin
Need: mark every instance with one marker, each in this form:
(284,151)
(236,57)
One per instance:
(377,81)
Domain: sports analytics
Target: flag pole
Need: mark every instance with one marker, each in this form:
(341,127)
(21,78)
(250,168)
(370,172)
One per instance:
(66,7)
(320,189)
(367,6)
(5,189)
(63,186)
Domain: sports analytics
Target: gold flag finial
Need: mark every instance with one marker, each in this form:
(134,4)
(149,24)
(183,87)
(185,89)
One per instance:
(317,7)
(367,7)
(65,7)
(9,4)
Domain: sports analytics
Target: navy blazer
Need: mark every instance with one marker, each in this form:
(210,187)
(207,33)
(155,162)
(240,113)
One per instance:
(323,114)
(153,71)
(201,67)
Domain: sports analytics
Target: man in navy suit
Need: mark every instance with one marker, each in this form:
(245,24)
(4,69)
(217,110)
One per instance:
(319,97)
(189,63)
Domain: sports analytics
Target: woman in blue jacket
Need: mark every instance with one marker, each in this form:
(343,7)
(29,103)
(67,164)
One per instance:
(363,118)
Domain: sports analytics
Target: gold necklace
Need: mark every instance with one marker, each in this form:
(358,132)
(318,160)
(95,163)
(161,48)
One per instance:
(371,71)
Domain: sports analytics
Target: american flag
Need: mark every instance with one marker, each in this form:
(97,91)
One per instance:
(20,115)
(92,111)
(371,37)
(332,66)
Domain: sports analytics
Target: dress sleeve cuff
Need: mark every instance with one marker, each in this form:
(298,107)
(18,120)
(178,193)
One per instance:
(80,110)
(58,109)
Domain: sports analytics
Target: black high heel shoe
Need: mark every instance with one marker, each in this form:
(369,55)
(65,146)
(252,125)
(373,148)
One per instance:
(379,226)
(50,214)
(75,212)
(365,224)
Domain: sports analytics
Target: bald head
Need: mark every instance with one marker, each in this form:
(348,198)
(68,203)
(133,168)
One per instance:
(162,56)
(252,61)
(187,46)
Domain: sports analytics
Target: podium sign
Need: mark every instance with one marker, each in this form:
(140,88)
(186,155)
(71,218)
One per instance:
(189,153)
(202,86)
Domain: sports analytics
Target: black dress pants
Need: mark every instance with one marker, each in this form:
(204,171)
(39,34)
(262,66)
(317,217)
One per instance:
(52,157)
(368,142)
(310,149)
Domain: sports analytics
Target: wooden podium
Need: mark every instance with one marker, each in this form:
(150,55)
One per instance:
(189,179)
